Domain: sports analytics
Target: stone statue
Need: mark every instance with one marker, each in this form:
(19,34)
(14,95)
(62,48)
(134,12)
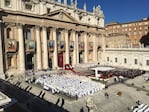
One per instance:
(71,2)
(84,7)
(76,3)
(94,9)
(98,9)
(90,105)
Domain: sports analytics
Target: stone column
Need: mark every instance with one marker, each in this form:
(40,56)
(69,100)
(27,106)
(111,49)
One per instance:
(94,48)
(86,48)
(45,48)
(67,47)
(75,48)
(21,48)
(1,56)
(38,41)
(55,58)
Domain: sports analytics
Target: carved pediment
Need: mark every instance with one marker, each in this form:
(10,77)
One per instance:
(61,15)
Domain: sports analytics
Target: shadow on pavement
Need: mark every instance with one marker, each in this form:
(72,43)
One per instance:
(27,102)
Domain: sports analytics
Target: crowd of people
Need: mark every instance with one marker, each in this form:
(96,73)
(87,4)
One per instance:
(69,86)
(129,73)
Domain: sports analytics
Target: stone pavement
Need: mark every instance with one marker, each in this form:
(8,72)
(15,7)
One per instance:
(113,103)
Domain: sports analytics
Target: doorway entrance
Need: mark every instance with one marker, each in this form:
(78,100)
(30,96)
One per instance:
(29,61)
(50,63)
(70,60)
(81,57)
(60,59)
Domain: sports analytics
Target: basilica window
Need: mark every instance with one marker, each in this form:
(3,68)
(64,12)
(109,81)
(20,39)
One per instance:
(48,10)
(8,33)
(125,60)
(136,61)
(147,62)
(7,3)
(116,60)
(107,59)
(28,7)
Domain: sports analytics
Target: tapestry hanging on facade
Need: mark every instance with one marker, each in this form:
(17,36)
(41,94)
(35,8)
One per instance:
(30,45)
(11,45)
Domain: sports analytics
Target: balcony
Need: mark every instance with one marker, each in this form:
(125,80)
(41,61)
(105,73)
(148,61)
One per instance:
(51,45)
(30,46)
(71,45)
(11,46)
(61,46)
(81,46)
(90,47)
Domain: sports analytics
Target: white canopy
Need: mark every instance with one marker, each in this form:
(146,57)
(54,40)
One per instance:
(102,69)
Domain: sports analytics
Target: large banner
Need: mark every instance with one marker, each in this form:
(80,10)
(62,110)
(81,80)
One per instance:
(51,44)
(81,46)
(61,46)
(11,45)
(30,46)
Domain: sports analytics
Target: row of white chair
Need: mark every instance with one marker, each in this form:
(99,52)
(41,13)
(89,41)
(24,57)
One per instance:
(69,86)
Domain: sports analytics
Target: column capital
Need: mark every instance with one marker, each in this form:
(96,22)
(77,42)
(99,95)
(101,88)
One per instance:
(44,27)
(37,27)
(53,28)
(66,30)
(19,25)
(94,34)
(72,30)
(85,33)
